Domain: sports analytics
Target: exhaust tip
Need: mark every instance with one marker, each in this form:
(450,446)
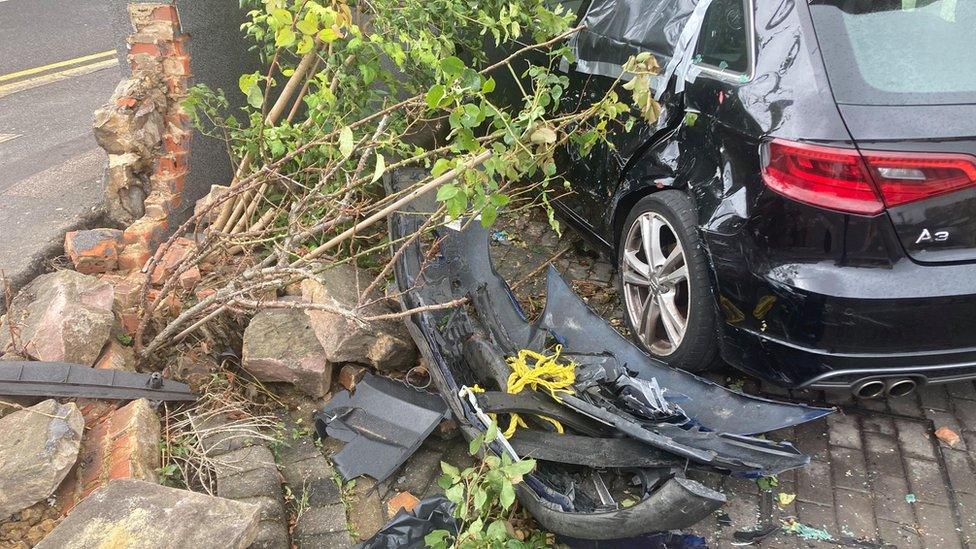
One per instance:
(871,388)
(901,387)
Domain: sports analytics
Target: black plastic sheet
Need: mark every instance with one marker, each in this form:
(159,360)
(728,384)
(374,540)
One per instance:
(408,528)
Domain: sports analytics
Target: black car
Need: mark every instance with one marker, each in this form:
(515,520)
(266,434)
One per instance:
(806,206)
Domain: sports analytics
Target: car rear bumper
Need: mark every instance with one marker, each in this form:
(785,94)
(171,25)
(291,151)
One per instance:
(792,365)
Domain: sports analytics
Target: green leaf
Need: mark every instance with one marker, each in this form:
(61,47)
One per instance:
(452,66)
(285,37)
(281,16)
(436,539)
(488,86)
(492,432)
(435,95)
(441,166)
(455,493)
(345,142)
(255,97)
(497,530)
(450,469)
(456,205)
(499,199)
(304,46)
(488,216)
(476,444)
(521,467)
(380,167)
(447,192)
(308,25)
(507,495)
(328,35)
(480,498)
(246,81)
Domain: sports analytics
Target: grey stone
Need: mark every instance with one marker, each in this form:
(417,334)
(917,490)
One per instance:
(320,520)
(915,439)
(253,483)
(63,316)
(271,535)
(244,460)
(385,345)
(271,508)
(38,446)
(331,540)
(280,345)
(134,513)
(855,513)
(312,479)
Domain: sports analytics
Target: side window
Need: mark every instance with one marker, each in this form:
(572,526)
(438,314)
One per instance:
(723,42)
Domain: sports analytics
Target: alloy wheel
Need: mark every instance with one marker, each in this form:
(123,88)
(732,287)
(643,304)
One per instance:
(655,283)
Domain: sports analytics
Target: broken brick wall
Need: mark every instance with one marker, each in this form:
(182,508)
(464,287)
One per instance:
(147,135)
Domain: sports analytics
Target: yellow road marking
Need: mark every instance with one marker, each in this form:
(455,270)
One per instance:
(22,85)
(59,64)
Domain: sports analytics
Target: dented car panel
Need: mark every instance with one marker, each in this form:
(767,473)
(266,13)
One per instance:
(807,296)
(689,424)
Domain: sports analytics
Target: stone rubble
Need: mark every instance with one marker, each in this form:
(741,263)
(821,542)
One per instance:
(63,316)
(38,446)
(135,513)
(280,346)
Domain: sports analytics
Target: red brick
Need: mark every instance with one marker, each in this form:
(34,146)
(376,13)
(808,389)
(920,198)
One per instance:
(163,203)
(176,143)
(166,265)
(190,278)
(127,102)
(166,13)
(93,251)
(176,46)
(350,374)
(172,163)
(130,322)
(177,120)
(170,183)
(145,231)
(145,48)
(133,257)
(204,293)
(176,65)
(177,87)
(403,500)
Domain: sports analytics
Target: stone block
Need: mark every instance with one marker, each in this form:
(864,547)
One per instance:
(280,346)
(116,356)
(350,374)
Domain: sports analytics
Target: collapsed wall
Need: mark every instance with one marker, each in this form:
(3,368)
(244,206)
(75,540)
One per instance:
(146,134)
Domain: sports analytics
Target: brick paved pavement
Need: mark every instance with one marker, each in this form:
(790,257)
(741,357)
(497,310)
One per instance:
(877,471)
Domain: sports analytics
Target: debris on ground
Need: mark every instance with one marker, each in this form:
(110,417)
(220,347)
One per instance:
(134,513)
(805,532)
(613,391)
(382,424)
(947,436)
(63,316)
(55,379)
(280,346)
(409,527)
(40,445)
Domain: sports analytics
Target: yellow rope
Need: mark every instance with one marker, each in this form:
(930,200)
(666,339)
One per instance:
(538,371)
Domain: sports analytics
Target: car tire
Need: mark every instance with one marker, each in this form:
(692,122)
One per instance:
(671,215)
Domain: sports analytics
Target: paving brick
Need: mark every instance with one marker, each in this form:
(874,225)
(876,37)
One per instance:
(967,513)
(937,526)
(925,480)
(965,411)
(883,455)
(934,397)
(271,508)
(902,536)
(244,459)
(877,424)
(849,469)
(314,477)
(915,439)
(962,389)
(844,430)
(818,516)
(420,471)
(369,516)
(271,535)
(814,483)
(905,405)
(811,439)
(889,499)
(855,514)
(402,500)
(959,467)
(250,484)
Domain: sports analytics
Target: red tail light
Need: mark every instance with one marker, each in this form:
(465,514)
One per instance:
(848,181)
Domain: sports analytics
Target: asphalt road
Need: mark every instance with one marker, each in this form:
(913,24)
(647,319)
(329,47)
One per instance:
(57,66)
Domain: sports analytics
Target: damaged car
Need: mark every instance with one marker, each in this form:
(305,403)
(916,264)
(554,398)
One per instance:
(622,426)
(803,207)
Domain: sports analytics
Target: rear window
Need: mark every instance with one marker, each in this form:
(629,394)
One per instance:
(898,52)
